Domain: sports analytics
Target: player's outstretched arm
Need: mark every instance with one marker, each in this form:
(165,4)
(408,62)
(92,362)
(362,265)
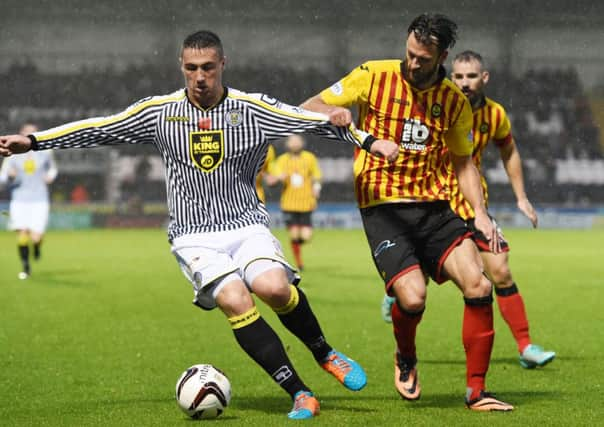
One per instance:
(339,116)
(14,144)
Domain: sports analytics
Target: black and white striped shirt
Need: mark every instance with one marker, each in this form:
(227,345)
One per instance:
(211,157)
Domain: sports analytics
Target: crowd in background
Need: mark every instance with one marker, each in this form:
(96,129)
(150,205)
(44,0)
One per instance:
(552,120)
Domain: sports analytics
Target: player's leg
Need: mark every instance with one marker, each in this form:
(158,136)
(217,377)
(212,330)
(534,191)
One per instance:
(410,295)
(511,306)
(39,222)
(262,344)
(293,231)
(23,250)
(386,308)
(271,280)
(216,282)
(306,233)
(36,240)
(449,253)
(20,218)
(464,266)
(387,228)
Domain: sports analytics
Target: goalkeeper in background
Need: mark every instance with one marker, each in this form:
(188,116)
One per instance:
(28,176)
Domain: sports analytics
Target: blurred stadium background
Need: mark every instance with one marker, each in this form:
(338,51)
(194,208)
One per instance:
(64,60)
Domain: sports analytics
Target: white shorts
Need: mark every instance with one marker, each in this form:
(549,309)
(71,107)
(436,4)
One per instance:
(211,260)
(32,216)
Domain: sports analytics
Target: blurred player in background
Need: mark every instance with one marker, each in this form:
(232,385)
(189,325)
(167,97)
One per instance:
(492,124)
(213,140)
(404,204)
(300,174)
(28,176)
(266,173)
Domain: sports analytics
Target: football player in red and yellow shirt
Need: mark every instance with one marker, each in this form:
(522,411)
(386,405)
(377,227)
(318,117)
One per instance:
(404,203)
(492,124)
(300,174)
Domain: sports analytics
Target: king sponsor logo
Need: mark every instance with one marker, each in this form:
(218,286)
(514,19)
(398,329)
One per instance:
(207,149)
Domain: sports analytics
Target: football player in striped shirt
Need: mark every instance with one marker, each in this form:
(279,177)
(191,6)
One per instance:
(299,171)
(28,176)
(492,124)
(404,203)
(213,141)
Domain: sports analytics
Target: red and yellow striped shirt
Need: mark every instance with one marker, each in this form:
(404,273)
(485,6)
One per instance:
(491,123)
(301,171)
(423,122)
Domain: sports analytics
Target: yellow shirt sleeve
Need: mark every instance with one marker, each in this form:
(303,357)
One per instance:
(459,138)
(504,129)
(352,89)
(315,171)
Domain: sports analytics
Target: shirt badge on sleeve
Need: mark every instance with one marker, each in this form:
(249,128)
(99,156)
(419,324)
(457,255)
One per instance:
(337,88)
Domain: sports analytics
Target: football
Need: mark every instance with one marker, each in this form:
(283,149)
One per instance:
(203,391)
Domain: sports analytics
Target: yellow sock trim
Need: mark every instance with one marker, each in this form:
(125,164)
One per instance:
(244,319)
(294,299)
(22,239)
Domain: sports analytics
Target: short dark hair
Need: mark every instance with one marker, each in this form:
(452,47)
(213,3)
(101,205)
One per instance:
(434,29)
(203,39)
(467,56)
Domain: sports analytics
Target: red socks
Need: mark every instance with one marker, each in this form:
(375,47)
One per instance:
(478,336)
(296,246)
(511,306)
(405,327)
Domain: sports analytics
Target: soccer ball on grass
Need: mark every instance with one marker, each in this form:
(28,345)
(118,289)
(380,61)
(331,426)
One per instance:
(203,391)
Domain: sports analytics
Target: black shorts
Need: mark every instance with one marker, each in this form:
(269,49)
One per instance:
(407,236)
(481,242)
(298,218)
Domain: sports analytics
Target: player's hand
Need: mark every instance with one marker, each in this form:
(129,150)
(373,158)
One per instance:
(270,179)
(484,224)
(14,144)
(385,148)
(340,116)
(527,209)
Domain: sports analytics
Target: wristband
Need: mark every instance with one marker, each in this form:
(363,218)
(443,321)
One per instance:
(34,142)
(368,143)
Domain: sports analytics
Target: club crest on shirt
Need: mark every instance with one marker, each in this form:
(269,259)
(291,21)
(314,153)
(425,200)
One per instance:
(436,110)
(207,149)
(234,118)
(484,128)
(29,166)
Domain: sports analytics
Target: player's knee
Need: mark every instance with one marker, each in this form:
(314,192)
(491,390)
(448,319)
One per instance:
(234,298)
(501,276)
(410,299)
(477,287)
(272,287)
(415,305)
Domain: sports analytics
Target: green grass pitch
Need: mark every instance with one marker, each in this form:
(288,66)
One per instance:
(104,327)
